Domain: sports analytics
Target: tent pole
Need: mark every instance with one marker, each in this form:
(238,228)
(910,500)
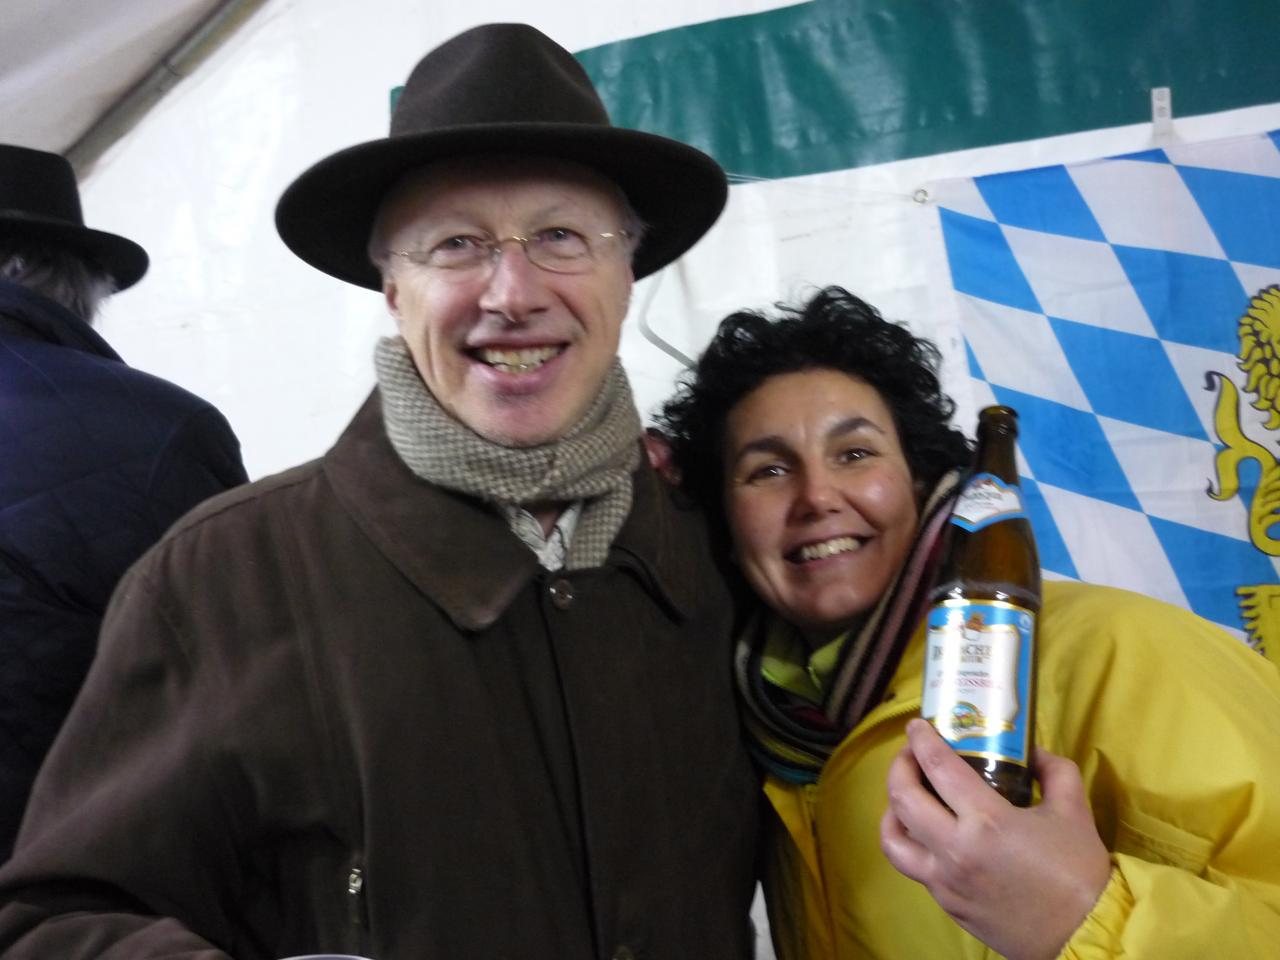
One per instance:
(175,66)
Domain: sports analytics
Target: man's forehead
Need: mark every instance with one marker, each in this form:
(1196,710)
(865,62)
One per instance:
(463,186)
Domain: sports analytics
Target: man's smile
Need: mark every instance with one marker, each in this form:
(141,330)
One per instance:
(523,360)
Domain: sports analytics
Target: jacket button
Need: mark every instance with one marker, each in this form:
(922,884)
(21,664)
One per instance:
(624,953)
(561,593)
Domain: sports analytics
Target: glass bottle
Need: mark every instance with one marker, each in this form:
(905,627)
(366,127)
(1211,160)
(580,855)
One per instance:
(979,678)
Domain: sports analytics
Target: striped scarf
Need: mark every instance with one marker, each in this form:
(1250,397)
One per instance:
(792,738)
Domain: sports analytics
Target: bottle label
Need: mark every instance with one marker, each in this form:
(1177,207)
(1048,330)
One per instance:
(986,499)
(977,677)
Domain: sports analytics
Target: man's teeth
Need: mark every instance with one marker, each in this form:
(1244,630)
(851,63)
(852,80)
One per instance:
(517,361)
(828,548)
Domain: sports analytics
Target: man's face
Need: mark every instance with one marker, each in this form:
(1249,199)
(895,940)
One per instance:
(515,352)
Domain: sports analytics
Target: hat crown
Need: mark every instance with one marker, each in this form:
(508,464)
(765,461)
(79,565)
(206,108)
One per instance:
(500,73)
(40,203)
(508,89)
(34,183)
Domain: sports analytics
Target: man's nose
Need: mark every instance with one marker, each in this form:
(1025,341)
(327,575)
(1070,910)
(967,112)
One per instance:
(515,288)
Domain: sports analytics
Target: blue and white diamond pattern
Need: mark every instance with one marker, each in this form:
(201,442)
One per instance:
(1095,298)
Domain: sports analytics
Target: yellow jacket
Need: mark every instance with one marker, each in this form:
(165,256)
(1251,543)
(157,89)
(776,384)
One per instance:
(1176,729)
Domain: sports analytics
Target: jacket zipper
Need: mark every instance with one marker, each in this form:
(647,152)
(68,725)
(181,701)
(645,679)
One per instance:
(901,709)
(911,705)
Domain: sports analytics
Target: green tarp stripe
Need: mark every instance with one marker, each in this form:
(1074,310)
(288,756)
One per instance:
(834,84)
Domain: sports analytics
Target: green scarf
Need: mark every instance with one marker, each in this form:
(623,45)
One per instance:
(792,737)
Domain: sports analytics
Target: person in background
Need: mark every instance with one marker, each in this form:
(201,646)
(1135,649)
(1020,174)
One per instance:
(462,687)
(821,438)
(96,459)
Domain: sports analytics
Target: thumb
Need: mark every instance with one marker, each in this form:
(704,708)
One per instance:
(1061,787)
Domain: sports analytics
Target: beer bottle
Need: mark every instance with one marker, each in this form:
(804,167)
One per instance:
(979,679)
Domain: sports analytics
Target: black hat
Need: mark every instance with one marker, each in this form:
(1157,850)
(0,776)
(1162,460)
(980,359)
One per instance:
(502,88)
(39,200)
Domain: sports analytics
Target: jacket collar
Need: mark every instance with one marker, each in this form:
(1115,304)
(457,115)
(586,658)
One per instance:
(462,554)
(35,316)
(664,545)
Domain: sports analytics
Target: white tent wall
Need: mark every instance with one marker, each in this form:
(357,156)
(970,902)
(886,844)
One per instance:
(63,63)
(285,352)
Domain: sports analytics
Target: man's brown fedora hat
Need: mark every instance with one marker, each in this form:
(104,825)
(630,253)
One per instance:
(502,88)
(39,200)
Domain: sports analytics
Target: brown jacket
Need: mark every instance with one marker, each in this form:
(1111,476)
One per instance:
(341,709)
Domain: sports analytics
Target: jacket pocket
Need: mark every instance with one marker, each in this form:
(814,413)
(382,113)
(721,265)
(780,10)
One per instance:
(1152,839)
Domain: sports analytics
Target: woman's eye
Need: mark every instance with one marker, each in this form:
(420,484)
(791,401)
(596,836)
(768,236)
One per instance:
(854,453)
(767,472)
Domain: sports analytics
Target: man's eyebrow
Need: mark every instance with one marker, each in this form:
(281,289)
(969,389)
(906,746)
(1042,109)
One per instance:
(458,217)
(444,221)
(564,207)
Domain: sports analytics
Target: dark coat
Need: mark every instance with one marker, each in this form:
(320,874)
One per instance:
(96,461)
(361,718)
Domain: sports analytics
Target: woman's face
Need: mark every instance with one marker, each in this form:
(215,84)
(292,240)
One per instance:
(819,496)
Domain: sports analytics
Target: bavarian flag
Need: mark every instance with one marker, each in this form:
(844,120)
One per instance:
(1128,309)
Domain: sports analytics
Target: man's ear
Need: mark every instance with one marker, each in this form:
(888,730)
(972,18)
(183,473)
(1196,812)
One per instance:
(658,449)
(391,294)
(626,297)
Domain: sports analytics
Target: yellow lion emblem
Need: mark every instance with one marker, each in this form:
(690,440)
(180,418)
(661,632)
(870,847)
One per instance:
(1259,358)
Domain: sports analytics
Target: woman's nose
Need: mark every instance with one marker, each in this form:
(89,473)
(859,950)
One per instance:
(816,494)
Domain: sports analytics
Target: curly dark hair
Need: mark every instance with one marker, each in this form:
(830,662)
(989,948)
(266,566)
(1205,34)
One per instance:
(832,331)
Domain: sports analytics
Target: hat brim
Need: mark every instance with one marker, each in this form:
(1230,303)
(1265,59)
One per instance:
(123,259)
(325,216)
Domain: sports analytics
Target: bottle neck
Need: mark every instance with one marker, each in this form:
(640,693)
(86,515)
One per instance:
(996,454)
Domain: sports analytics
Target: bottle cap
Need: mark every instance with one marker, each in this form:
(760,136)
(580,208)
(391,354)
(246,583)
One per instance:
(1001,418)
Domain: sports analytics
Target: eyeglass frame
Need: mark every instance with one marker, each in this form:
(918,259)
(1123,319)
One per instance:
(494,246)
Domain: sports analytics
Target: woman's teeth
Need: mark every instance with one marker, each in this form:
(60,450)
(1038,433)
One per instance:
(828,548)
(516,361)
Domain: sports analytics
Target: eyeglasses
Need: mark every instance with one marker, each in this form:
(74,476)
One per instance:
(556,250)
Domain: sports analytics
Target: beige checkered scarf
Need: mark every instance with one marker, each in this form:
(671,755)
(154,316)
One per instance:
(593,462)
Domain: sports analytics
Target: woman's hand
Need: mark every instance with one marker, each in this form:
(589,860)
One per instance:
(1020,880)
